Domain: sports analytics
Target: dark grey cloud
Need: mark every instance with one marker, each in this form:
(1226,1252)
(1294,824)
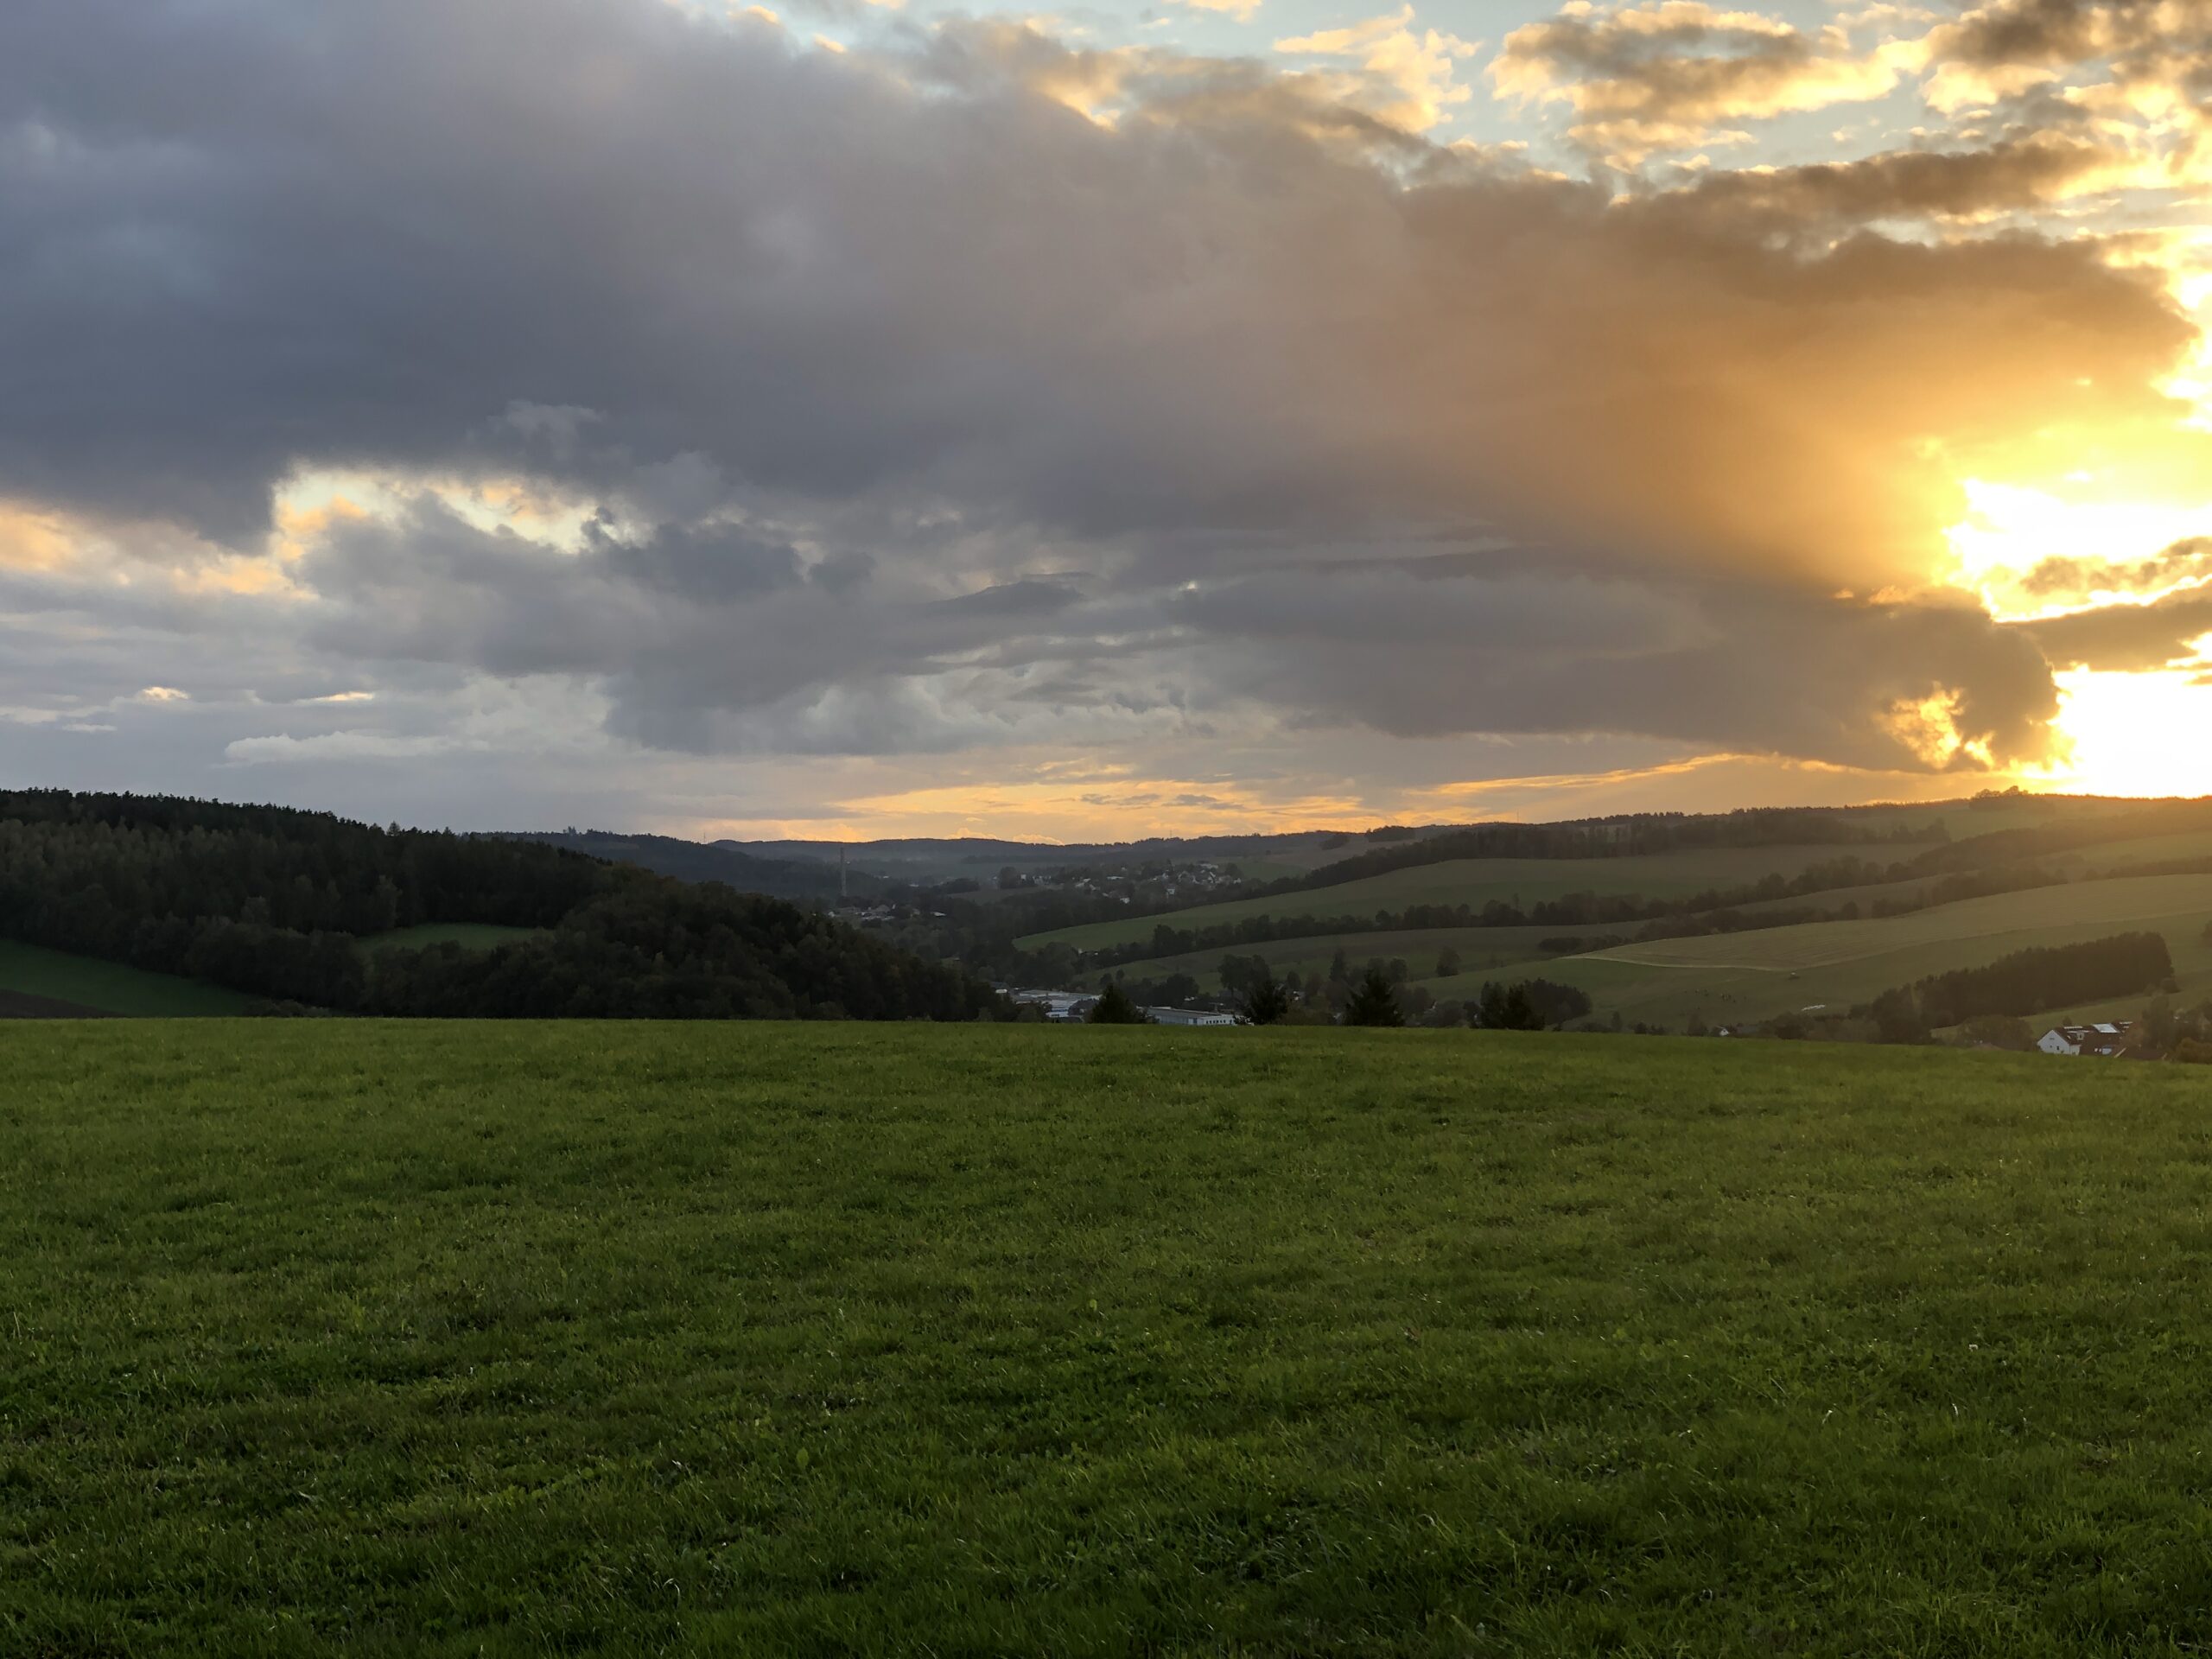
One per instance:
(753,657)
(2017,172)
(2127,637)
(1646,79)
(245,238)
(2058,32)
(2015,52)
(1423,649)
(2064,579)
(712,563)
(1752,668)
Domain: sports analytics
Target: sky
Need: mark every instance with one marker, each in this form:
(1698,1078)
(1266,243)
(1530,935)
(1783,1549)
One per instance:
(854,420)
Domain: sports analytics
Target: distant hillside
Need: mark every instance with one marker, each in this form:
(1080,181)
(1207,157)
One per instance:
(273,902)
(722,860)
(925,860)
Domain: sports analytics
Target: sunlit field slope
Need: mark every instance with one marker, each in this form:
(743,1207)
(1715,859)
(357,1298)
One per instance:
(465,1338)
(1419,948)
(1755,975)
(1478,882)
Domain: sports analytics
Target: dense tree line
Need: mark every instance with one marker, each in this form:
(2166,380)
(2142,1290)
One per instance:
(2047,976)
(692,861)
(98,864)
(271,902)
(655,948)
(1529,1005)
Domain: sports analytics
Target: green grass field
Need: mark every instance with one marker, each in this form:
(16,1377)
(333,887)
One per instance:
(474,935)
(1479,947)
(1750,976)
(110,986)
(1963,821)
(2117,856)
(1476,881)
(461,1338)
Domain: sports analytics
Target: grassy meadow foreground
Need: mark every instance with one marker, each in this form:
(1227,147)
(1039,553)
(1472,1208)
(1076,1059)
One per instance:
(457,1337)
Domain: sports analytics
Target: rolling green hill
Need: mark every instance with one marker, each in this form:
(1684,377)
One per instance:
(925,859)
(1478,881)
(2066,844)
(272,902)
(462,1339)
(1755,975)
(1419,948)
(692,861)
(2116,855)
(1964,820)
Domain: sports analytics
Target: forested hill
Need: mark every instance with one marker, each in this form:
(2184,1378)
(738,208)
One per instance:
(692,861)
(275,902)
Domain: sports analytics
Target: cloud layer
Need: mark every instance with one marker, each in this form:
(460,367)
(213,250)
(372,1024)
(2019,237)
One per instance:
(978,391)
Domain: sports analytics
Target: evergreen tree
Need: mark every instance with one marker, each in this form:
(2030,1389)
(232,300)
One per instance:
(1506,1007)
(1375,1003)
(1897,1017)
(1114,1007)
(1266,1001)
(2160,1028)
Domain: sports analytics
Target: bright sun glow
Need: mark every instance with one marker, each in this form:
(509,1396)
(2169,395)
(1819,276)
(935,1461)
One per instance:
(2009,530)
(2119,733)
(2136,734)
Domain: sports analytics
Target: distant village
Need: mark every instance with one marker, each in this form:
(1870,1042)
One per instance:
(1156,884)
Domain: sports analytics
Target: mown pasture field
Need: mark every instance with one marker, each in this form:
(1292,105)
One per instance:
(2117,855)
(458,1338)
(1755,976)
(1419,948)
(2115,906)
(1478,882)
(109,987)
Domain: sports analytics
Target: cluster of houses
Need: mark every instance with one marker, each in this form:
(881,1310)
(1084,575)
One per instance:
(1072,1008)
(1171,880)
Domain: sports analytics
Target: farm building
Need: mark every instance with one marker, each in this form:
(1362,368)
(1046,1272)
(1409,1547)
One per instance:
(1190,1017)
(2103,1041)
(1062,1008)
